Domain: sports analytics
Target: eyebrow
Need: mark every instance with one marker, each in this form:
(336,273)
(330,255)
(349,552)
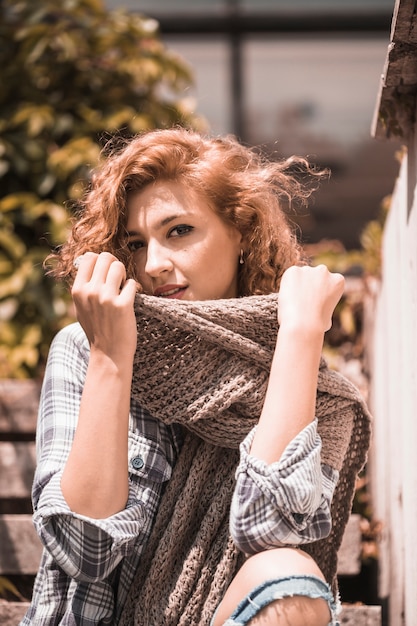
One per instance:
(164,222)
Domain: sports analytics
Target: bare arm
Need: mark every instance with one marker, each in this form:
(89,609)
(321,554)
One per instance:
(307,299)
(95,478)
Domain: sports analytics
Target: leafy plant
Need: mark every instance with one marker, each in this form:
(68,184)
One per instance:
(72,74)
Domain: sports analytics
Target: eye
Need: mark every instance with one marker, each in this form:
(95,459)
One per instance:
(180,230)
(135,245)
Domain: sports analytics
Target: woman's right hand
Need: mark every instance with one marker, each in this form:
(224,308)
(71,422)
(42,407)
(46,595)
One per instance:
(103,300)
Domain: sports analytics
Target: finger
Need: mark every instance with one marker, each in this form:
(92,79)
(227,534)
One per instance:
(77,261)
(116,276)
(340,279)
(128,291)
(84,265)
(338,287)
(339,284)
(101,268)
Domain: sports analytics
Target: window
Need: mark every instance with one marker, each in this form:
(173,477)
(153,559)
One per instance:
(294,78)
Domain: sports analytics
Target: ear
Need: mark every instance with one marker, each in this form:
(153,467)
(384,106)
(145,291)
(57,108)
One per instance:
(236,238)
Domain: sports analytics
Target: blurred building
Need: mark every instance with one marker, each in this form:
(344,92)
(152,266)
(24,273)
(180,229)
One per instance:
(293,76)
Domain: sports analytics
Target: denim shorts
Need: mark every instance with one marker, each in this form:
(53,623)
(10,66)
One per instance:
(275,589)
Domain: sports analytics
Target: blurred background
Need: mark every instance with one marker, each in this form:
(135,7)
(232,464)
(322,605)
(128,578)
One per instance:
(292,76)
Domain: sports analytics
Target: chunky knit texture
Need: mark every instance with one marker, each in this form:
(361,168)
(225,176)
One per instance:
(206,365)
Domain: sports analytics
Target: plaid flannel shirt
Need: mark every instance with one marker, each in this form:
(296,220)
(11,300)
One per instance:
(88,565)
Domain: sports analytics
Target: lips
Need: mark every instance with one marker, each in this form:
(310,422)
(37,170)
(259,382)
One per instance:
(170,291)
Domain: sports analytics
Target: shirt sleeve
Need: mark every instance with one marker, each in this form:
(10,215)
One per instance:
(284,503)
(86,549)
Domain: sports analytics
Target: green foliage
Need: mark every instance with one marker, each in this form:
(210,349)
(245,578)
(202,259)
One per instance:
(71,74)
(365,261)
(345,341)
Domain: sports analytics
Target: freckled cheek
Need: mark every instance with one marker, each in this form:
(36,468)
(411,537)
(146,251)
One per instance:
(189,257)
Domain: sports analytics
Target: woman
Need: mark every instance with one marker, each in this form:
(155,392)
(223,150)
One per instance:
(186,219)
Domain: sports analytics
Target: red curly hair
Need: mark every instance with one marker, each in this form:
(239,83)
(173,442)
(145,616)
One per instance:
(245,189)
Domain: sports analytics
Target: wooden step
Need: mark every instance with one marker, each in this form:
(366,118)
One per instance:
(17,467)
(20,546)
(349,558)
(12,612)
(19,401)
(361,615)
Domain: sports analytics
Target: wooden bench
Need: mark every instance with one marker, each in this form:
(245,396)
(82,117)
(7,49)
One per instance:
(20,547)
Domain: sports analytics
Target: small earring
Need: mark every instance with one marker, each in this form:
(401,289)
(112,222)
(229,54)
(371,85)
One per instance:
(241,259)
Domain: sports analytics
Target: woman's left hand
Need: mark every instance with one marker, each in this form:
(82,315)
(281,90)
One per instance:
(308,297)
(306,301)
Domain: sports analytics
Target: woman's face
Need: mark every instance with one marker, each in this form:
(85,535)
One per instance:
(181,248)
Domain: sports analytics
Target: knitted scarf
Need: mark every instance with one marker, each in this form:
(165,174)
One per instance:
(206,365)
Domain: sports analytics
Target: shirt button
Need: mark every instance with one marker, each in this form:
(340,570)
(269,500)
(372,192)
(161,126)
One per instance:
(137,462)
(298,517)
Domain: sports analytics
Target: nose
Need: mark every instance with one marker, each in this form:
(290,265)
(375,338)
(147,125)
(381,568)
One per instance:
(158,259)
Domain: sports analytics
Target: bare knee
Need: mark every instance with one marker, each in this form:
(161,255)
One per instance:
(294,611)
(276,563)
(270,565)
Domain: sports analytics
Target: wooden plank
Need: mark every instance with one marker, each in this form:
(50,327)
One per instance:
(18,536)
(20,546)
(395,110)
(20,552)
(11,613)
(19,400)
(404,21)
(349,556)
(17,467)
(361,615)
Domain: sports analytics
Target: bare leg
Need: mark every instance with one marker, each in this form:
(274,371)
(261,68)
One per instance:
(290,611)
